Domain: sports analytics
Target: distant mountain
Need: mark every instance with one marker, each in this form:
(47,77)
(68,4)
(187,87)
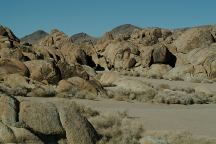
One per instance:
(125,29)
(81,38)
(34,37)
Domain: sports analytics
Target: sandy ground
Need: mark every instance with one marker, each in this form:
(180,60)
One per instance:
(182,84)
(200,120)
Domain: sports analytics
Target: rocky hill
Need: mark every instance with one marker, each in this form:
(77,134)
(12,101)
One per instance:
(83,38)
(34,37)
(125,29)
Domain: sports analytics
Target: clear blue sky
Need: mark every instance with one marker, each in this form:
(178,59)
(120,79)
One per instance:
(98,16)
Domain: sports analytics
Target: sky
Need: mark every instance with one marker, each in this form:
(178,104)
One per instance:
(96,17)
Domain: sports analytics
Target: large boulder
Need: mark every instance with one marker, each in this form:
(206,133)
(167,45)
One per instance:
(157,54)
(180,72)
(150,36)
(10,134)
(43,70)
(6,134)
(158,70)
(78,129)
(80,88)
(204,60)
(78,55)
(16,80)
(109,78)
(56,120)
(55,38)
(12,66)
(9,107)
(193,38)
(41,117)
(35,120)
(68,70)
(121,55)
(83,85)
(162,55)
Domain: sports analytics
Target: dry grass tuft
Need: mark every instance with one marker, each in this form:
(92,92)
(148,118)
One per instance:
(117,128)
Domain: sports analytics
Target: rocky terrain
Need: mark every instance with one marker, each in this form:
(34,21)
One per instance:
(41,75)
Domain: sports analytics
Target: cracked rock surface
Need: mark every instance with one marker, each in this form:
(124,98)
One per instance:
(41,120)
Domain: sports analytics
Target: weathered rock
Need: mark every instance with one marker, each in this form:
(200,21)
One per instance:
(193,38)
(109,78)
(179,72)
(162,55)
(68,71)
(83,85)
(6,32)
(41,117)
(146,56)
(119,55)
(77,56)
(204,58)
(9,107)
(64,86)
(6,134)
(25,136)
(78,129)
(42,91)
(158,70)
(12,66)
(43,70)
(89,70)
(150,36)
(157,54)
(16,80)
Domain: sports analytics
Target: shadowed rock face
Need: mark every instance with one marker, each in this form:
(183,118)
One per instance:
(34,37)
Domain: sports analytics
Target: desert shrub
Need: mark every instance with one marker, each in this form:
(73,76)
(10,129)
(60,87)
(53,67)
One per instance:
(121,94)
(108,85)
(176,78)
(186,89)
(163,86)
(181,97)
(130,73)
(86,111)
(154,76)
(117,128)
(136,74)
(207,81)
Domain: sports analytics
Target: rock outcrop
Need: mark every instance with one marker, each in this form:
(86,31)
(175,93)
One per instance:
(27,120)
